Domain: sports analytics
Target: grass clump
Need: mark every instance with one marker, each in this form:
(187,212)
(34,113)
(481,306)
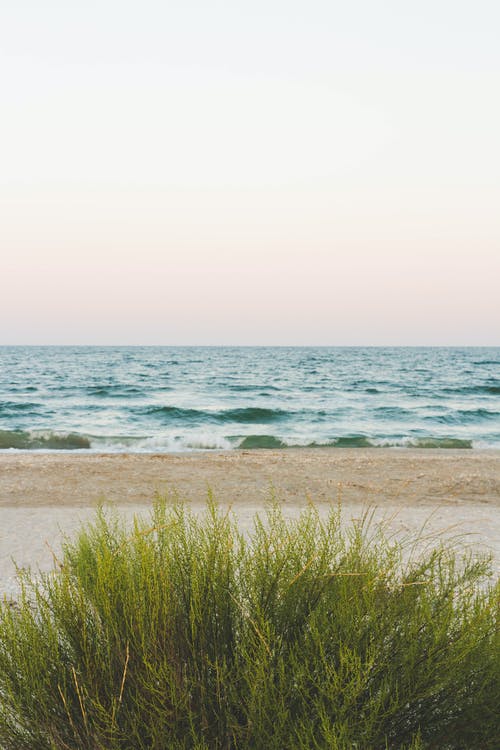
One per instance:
(182,633)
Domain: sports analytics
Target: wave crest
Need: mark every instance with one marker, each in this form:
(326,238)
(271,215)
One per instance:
(42,440)
(244,415)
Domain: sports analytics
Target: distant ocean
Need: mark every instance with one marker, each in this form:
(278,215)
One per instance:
(165,399)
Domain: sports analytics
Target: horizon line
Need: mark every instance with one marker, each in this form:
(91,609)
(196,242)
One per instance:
(260,346)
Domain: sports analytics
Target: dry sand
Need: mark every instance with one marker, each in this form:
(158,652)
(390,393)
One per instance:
(44,494)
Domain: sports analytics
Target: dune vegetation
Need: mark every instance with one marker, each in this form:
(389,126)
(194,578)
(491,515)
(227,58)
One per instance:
(181,632)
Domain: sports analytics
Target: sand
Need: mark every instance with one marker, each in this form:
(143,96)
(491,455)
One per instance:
(43,495)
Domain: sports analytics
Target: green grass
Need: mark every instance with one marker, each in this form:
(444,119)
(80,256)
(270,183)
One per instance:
(182,633)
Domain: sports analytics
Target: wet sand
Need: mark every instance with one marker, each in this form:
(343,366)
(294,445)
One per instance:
(44,493)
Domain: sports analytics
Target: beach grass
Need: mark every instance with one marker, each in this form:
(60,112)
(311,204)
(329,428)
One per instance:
(310,633)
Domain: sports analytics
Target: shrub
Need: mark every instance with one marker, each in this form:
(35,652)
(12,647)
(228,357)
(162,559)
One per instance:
(182,633)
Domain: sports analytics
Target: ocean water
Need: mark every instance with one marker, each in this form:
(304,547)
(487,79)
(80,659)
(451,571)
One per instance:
(165,399)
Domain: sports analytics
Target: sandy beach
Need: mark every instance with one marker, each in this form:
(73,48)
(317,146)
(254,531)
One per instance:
(43,495)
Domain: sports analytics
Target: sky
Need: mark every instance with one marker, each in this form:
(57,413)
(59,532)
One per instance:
(265,172)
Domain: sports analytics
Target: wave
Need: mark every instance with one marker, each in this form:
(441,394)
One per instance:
(492,389)
(463,416)
(354,441)
(392,412)
(17,406)
(262,441)
(42,440)
(245,415)
(160,443)
(53,441)
(360,441)
(114,391)
(487,362)
(475,390)
(174,412)
(471,414)
(239,387)
(47,440)
(22,388)
(253,414)
(357,441)
(442,442)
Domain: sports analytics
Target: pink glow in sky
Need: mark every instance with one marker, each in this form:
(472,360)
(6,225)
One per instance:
(236,173)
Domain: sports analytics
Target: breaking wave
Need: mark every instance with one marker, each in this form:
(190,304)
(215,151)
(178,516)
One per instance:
(356,441)
(46,440)
(42,440)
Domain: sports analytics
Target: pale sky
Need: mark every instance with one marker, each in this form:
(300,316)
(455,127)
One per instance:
(265,172)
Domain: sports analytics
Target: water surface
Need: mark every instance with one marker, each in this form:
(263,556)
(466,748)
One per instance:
(187,398)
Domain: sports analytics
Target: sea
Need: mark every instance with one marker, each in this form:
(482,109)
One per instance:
(173,399)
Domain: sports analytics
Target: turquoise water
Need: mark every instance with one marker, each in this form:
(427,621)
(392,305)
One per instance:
(189,398)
